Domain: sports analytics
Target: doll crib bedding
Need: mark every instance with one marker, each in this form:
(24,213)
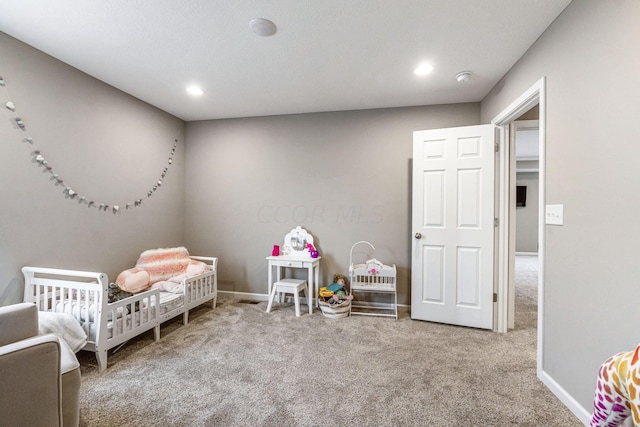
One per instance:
(175,283)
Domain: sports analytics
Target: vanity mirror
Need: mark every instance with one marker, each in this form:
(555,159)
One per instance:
(296,242)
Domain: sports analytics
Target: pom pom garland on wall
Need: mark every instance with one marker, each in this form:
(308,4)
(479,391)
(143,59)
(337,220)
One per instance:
(69,193)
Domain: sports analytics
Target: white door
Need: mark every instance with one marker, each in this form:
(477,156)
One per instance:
(453,226)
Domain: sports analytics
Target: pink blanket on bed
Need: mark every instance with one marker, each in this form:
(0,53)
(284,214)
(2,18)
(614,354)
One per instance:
(165,263)
(163,268)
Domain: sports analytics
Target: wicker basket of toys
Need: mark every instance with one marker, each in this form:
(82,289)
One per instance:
(333,299)
(335,311)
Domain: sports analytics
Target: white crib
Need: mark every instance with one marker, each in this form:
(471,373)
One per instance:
(83,294)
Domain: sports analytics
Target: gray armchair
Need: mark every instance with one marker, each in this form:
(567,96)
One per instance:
(40,375)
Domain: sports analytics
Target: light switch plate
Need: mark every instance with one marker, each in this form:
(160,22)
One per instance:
(554,215)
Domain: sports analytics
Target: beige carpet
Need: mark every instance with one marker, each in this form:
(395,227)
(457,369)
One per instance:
(239,366)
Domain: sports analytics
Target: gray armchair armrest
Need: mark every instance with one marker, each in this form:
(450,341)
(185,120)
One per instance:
(19,321)
(31,386)
(40,374)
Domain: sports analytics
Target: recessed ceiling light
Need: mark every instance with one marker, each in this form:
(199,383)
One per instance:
(194,90)
(423,70)
(262,27)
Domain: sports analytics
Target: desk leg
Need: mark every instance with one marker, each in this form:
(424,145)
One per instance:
(311,289)
(317,284)
(281,295)
(270,280)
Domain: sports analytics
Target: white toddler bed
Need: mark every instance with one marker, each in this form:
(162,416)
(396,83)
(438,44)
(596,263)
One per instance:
(108,324)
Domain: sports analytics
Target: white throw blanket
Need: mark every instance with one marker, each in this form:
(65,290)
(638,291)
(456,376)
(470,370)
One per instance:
(63,325)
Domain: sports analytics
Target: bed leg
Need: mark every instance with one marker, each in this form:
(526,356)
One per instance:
(101,356)
(214,302)
(185,317)
(156,333)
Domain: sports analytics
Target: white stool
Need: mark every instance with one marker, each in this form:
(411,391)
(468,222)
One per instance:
(291,286)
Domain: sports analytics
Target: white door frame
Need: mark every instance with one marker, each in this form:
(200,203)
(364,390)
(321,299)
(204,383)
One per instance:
(536,94)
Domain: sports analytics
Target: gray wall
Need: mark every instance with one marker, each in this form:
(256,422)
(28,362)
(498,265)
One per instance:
(589,57)
(342,176)
(104,144)
(527,216)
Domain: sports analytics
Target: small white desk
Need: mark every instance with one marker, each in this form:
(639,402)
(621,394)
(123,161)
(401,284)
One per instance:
(288,261)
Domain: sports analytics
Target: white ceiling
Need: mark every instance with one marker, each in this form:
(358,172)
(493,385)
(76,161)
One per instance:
(327,55)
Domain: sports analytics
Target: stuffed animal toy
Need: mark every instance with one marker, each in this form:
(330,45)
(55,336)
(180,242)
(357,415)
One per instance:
(336,292)
(114,293)
(340,279)
(618,390)
(338,285)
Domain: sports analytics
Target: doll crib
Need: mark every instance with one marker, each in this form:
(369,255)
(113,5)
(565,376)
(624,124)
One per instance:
(372,280)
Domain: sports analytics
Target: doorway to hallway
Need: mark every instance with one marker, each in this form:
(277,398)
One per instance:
(525,204)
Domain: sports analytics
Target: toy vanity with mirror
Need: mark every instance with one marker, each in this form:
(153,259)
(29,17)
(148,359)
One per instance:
(297,252)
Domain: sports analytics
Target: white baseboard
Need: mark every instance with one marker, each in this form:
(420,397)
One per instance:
(248,296)
(242,296)
(578,410)
(527,253)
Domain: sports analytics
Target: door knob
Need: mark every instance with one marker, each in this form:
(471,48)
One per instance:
(418,236)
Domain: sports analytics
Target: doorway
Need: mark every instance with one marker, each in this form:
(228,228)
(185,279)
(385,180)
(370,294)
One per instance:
(524,211)
(430,146)
(535,95)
